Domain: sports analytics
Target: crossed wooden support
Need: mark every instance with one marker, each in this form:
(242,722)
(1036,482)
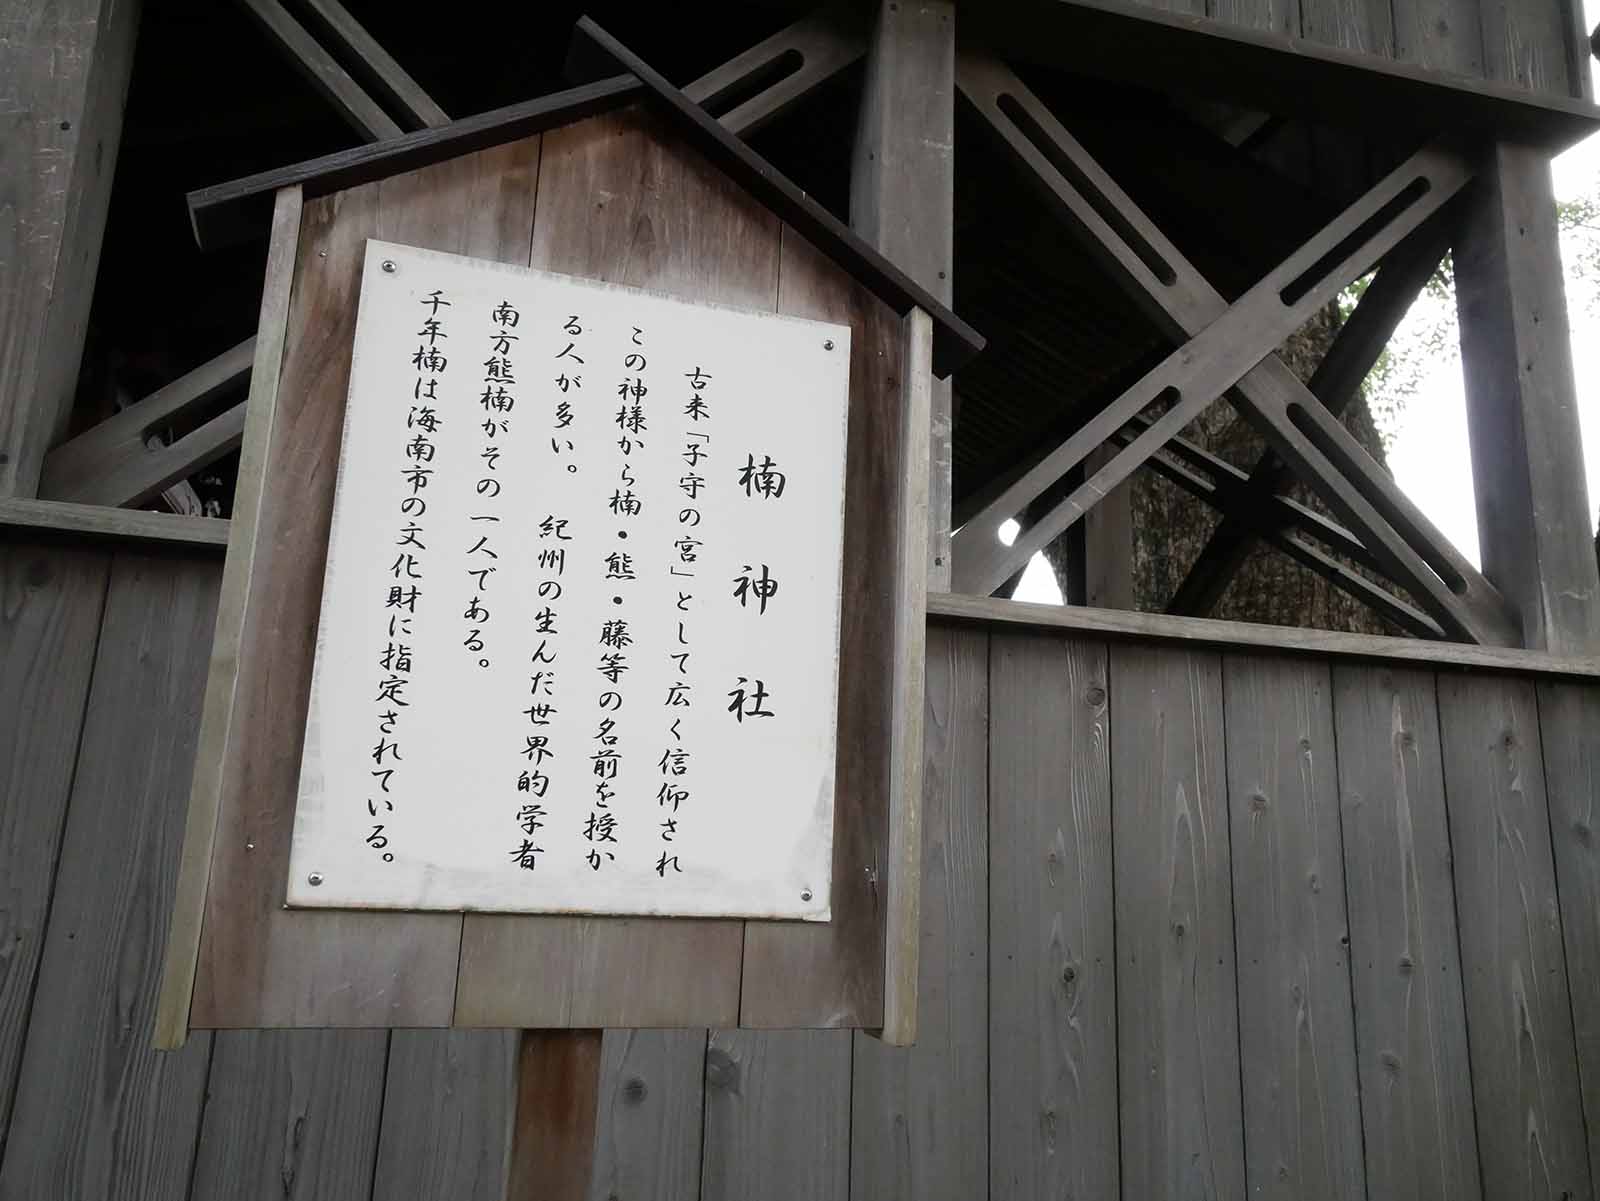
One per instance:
(111,463)
(1224,347)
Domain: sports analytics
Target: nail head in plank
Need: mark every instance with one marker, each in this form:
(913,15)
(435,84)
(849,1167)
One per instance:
(1416,1091)
(98,1112)
(1177,1005)
(1205,631)
(291,1112)
(1513,961)
(1052,956)
(652,1098)
(216,716)
(449,1097)
(50,606)
(919,1116)
(777,1123)
(1296,1022)
(1569,729)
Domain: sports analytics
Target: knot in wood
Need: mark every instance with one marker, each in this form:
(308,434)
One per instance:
(1069,974)
(1095,696)
(722,1070)
(1258,802)
(1179,929)
(1407,965)
(634,1091)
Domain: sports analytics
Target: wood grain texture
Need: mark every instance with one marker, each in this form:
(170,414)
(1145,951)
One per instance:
(448,1101)
(291,1115)
(1534,520)
(217,714)
(1525,45)
(76,470)
(21,518)
(902,196)
(50,603)
(1296,1023)
(1052,952)
(552,1133)
(262,965)
(804,974)
(389,76)
(621,201)
(63,77)
(1177,1012)
(323,72)
(647,1137)
(919,1118)
(1513,965)
(1569,729)
(1416,1093)
(766,1138)
(98,1112)
(1201,632)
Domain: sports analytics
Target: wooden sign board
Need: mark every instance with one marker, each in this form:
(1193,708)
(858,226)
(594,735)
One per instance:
(614,199)
(578,648)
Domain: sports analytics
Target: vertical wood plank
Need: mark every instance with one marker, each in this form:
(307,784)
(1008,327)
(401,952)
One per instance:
(291,1115)
(1297,1028)
(552,1132)
(1526,45)
(63,77)
(1443,34)
(1416,1094)
(262,965)
(1519,1017)
(448,1103)
(1177,1011)
(216,714)
(902,195)
(766,1138)
(620,201)
(1569,731)
(919,1121)
(1365,26)
(1534,520)
(1052,953)
(50,604)
(810,974)
(98,1112)
(652,1094)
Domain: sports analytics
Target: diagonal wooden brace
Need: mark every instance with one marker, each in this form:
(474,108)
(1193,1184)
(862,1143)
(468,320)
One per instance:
(1361,339)
(1229,346)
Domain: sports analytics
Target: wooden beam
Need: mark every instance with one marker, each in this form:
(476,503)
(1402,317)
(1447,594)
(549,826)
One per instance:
(1133,43)
(1299,548)
(1299,429)
(63,79)
(552,1135)
(231,212)
(387,75)
(216,715)
(1534,520)
(110,463)
(1335,383)
(902,195)
(1216,358)
(359,110)
(20,516)
(954,341)
(1226,635)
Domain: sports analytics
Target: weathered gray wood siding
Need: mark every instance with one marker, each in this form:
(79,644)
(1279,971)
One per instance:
(1197,924)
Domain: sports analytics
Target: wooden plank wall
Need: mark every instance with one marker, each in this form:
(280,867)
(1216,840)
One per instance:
(1201,923)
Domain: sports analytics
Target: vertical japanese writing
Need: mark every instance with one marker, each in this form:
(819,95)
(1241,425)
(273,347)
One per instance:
(404,591)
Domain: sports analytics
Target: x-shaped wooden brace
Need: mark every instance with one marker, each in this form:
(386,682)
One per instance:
(1223,347)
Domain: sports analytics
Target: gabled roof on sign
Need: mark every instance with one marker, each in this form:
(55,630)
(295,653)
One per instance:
(225,212)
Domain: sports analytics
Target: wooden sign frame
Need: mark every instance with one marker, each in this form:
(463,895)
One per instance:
(613,197)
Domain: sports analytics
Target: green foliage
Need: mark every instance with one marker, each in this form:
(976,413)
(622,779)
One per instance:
(1429,334)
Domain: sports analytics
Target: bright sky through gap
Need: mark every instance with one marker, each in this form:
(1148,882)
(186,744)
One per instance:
(1428,450)
(1429,454)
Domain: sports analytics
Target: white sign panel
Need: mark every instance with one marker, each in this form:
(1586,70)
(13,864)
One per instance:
(580,623)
